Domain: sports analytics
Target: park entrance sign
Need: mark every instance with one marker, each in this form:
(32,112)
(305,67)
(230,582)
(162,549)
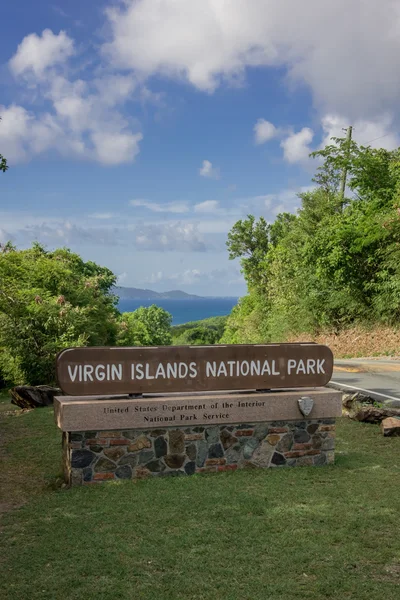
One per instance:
(91,371)
(177,410)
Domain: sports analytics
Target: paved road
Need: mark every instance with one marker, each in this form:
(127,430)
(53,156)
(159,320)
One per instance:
(378,377)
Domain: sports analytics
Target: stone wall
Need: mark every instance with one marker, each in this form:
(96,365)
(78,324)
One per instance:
(94,456)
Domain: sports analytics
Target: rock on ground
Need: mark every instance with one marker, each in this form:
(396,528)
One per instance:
(360,407)
(26,396)
(390,426)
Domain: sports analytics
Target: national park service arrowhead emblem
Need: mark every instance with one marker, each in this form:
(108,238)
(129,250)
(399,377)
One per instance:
(305,405)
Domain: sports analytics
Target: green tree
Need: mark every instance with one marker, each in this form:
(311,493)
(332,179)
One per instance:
(335,157)
(245,324)
(3,164)
(146,326)
(335,263)
(50,301)
(208,331)
(199,336)
(249,241)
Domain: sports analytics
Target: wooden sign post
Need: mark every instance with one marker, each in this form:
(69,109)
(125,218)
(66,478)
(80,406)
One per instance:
(195,409)
(90,371)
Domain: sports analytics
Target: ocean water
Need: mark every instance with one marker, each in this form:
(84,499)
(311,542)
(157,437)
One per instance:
(183,311)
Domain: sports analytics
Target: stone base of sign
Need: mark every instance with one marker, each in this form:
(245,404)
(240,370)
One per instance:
(95,456)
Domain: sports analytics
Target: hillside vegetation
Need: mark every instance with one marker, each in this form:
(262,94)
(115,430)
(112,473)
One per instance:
(54,300)
(206,331)
(334,265)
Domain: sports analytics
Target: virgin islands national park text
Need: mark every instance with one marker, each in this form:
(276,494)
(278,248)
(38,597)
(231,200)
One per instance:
(182,369)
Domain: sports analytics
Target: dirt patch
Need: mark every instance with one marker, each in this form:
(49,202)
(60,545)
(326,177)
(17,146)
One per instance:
(358,342)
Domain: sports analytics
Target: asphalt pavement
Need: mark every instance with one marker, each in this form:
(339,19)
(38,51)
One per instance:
(379,378)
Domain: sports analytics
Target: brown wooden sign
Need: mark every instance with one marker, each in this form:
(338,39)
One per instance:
(92,371)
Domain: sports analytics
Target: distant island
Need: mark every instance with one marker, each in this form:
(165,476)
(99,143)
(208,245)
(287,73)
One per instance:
(130,293)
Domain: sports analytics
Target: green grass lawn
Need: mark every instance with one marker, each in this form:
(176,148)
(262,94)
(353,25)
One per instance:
(281,534)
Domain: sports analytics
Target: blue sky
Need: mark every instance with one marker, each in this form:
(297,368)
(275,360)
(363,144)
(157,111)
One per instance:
(137,132)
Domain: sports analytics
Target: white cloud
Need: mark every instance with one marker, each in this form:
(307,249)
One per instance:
(177,237)
(37,53)
(174,236)
(15,131)
(208,206)
(378,133)
(264,131)
(83,120)
(208,42)
(204,232)
(115,89)
(169,207)
(207,170)
(108,141)
(115,148)
(61,231)
(296,147)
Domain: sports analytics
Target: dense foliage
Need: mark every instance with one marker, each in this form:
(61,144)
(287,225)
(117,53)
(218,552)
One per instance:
(54,300)
(49,301)
(334,264)
(199,333)
(3,164)
(146,326)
